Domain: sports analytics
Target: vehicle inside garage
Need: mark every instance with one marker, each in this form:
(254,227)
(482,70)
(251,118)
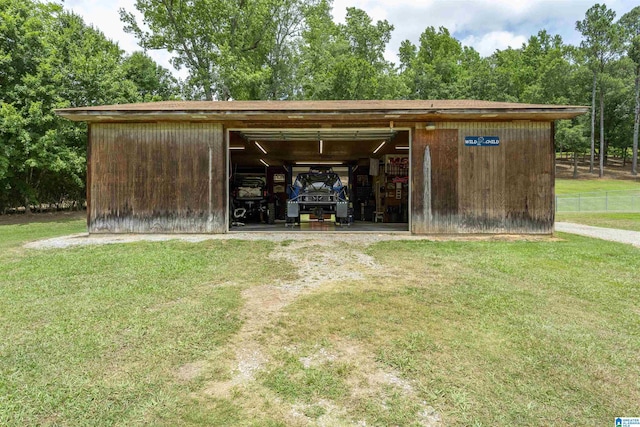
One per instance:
(319,179)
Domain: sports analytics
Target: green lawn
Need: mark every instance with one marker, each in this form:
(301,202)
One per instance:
(594,202)
(15,234)
(95,335)
(483,333)
(488,333)
(572,186)
(623,221)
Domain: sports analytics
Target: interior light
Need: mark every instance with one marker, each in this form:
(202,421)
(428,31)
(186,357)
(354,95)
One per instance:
(314,162)
(260,147)
(264,163)
(321,144)
(236,147)
(402,147)
(379,147)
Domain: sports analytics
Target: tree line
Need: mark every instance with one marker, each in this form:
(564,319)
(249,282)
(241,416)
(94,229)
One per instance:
(286,49)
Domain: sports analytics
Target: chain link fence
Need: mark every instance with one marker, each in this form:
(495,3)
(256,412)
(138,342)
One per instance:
(607,201)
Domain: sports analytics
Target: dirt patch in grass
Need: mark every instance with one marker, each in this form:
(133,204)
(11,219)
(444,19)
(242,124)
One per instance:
(331,384)
(316,262)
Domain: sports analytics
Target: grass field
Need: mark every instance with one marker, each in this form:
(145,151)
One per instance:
(623,221)
(477,333)
(572,186)
(621,196)
(12,235)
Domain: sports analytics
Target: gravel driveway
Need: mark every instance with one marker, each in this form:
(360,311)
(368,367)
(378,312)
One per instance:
(83,239)
(612,234)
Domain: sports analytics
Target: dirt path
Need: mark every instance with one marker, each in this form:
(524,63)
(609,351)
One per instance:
(320,264)
(611,234)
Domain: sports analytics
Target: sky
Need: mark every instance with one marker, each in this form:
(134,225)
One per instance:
(486,25)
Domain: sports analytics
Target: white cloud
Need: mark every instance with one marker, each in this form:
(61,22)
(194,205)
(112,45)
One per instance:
(106,17)
(488,43)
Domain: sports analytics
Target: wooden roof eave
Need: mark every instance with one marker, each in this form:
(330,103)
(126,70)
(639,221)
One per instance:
(546,114)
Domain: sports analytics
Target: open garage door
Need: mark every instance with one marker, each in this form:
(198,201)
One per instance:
(323,179)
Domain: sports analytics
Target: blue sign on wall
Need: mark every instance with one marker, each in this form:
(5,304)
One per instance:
(481,141)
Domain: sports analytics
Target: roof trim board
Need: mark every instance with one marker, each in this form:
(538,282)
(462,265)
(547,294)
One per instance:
(304,111)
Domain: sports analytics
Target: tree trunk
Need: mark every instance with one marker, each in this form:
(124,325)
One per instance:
(602,153)
(636,125)
(575,164)
(593,120)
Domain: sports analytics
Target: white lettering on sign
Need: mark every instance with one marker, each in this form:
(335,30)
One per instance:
(481,141)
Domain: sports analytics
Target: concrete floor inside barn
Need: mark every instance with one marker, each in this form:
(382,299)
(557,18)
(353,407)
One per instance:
(325,226)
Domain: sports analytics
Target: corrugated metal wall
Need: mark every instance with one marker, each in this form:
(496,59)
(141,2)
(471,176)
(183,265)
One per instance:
(156,177)
(503,189)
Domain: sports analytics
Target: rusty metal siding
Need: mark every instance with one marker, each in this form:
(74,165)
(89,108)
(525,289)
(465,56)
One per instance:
(503,189)
(156,178)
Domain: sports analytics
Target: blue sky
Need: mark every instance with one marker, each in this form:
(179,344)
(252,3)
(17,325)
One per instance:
(486,25)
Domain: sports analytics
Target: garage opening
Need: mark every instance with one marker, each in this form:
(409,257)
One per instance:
(294,180)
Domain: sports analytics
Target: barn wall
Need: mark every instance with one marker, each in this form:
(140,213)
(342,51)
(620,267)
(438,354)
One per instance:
(156,178)
(503,189)
(434,175)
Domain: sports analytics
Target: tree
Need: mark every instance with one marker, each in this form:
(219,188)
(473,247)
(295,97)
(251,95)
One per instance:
(346,61)
(153,82)
(434,70)
(570,136)
(619,109)
(232,49)
(630,23)
(546,70)
(51,59)
(601,41)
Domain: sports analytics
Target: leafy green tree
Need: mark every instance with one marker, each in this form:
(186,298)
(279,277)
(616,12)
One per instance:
(153,82)
(571,137)
(547,69)
(601,39)
(346,61)
(433,69)
(50,59)
(630,23)
(232,49)
(537,72)
(617,84)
